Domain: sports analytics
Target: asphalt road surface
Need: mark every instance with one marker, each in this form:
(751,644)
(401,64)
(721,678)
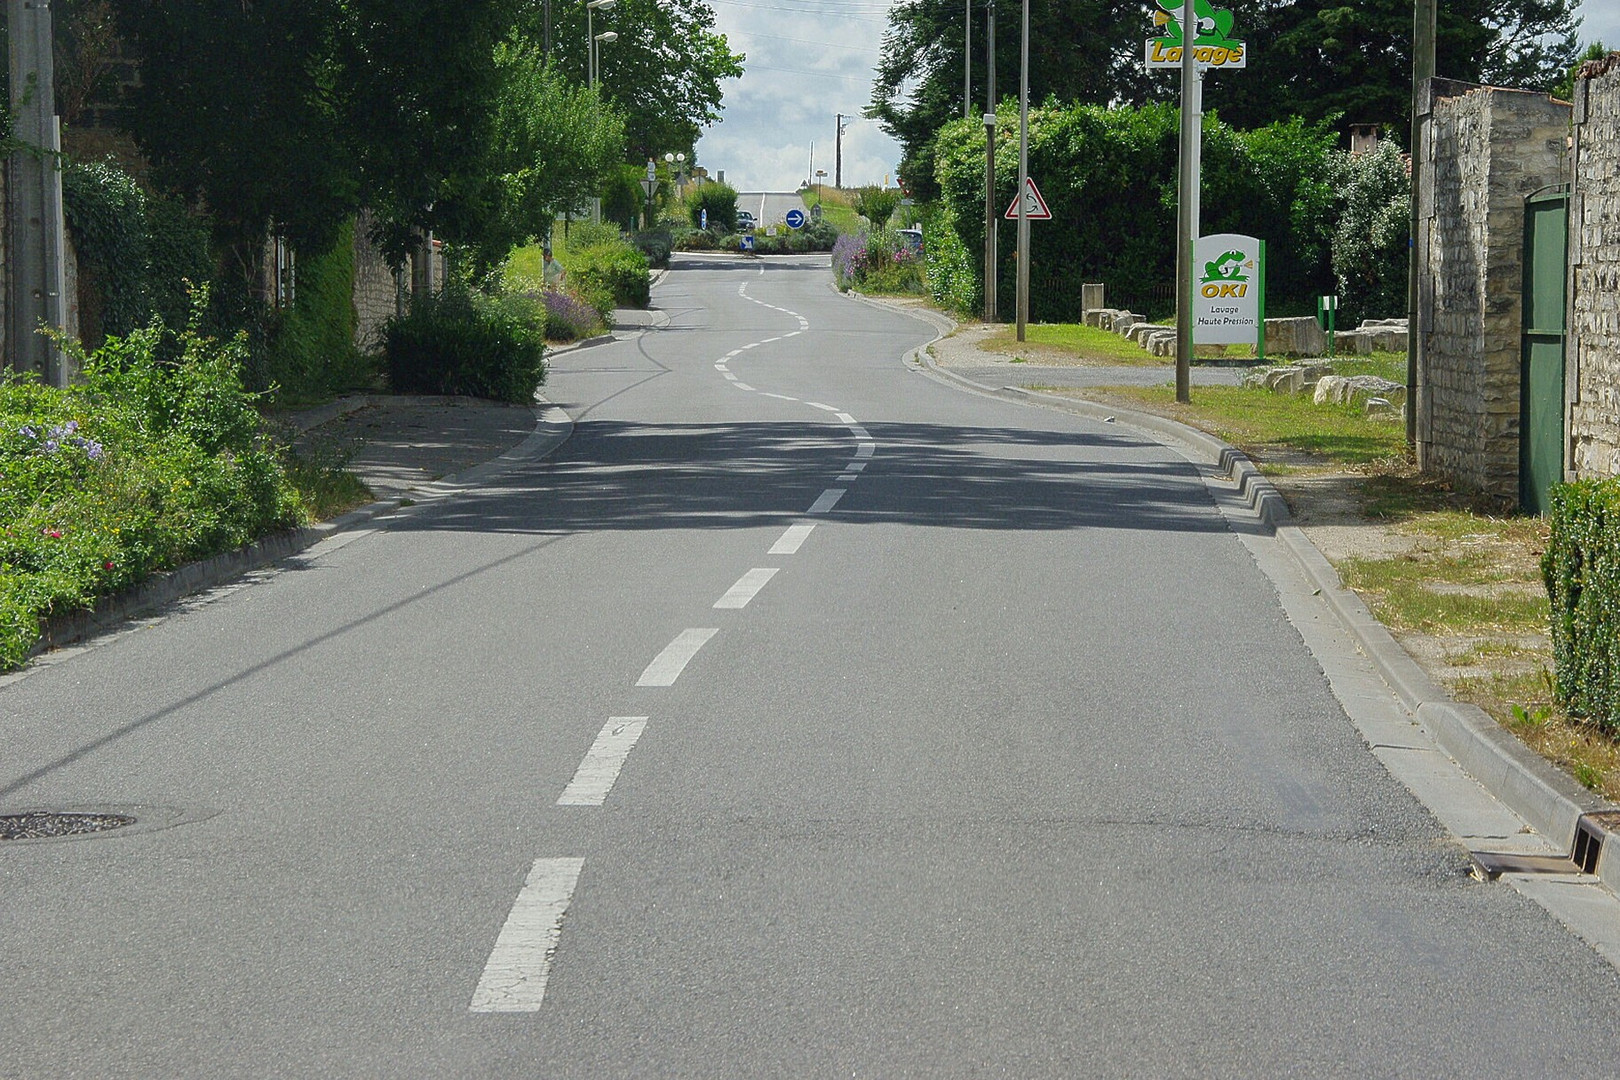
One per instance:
(799,717)
(769,207)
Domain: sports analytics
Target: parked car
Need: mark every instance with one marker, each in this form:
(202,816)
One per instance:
(746,222)
(912,239)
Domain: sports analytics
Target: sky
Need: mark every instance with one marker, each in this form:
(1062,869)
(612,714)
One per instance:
(809,60)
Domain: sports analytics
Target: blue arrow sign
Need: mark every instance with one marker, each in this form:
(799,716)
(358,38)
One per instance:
(795,218)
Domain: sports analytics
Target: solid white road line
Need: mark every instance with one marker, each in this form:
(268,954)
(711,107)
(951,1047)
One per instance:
(791,540)
(514,979)
(827,501)
(668,665)
(746,589)
(596,774)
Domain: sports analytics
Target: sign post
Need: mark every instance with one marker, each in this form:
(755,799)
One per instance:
(1193,36)
(1327,310)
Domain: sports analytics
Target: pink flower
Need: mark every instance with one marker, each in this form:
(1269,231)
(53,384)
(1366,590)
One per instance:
(54,534)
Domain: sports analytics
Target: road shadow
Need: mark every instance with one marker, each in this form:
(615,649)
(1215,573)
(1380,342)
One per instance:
(613,475)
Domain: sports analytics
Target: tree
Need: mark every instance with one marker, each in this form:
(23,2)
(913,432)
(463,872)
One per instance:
(554,145)
(1317,59)
(238,109)
(664,72)
(876,204)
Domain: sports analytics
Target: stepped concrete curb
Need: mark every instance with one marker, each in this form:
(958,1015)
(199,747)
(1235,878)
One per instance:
(553,426)
(1548,800)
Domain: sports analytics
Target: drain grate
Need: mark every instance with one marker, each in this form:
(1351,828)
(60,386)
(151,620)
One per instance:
(45,824)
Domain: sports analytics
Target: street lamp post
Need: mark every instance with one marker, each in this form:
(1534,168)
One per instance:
(677,166)
(591,7)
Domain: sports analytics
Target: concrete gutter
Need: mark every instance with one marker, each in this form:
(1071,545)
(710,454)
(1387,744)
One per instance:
(1549,801)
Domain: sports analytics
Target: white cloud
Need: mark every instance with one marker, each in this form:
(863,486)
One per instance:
(1600,21)
(807,62)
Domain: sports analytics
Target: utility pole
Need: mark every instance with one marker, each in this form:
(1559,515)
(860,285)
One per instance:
(1185,198)
(1423,35)
(1023,177)
(38,285)
(967,62)
(990,162)
(838,157)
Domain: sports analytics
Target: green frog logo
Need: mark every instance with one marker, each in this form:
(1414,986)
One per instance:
(1228,266)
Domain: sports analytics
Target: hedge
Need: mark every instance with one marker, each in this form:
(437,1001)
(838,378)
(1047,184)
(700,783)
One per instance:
(1582,570)
(1109,176)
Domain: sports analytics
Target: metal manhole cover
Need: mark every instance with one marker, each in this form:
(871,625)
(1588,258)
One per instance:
(44,824)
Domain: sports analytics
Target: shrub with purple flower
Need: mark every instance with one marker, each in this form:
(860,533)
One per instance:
(877,262)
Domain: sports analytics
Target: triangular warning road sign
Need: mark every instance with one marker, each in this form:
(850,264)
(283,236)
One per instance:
(1034,206)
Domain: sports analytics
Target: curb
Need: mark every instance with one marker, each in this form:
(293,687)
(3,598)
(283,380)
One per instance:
(553,426)
(1550,802)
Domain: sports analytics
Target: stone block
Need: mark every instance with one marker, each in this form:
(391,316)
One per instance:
(1124,321)
(1351,343)
(1285,380)
(1301,336)
(1344,389)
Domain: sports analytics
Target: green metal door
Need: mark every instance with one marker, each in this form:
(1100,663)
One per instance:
(1541,380)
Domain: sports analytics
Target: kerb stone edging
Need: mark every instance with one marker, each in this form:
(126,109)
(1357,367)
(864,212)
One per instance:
(1551,802)
(553,426)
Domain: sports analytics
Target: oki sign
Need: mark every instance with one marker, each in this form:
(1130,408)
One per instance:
(1213,44)
(1229,275)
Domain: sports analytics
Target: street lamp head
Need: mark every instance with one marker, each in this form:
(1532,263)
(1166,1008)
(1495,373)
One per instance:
(601,5)
(609,35)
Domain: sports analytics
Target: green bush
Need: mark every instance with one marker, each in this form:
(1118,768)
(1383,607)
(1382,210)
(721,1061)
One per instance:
(138,254)
(461,342)
(1582,571)
(615,269)
(1109,176)
(953,281)
(310,350)
(1370,252)
(143,465)
(720,200)
(655,245)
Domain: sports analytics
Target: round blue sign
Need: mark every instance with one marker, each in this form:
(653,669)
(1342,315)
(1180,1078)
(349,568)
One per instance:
(795,218)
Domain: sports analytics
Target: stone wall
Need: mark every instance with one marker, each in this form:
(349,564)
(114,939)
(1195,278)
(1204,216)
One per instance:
(377,289)
(1592,345)
(1485,150)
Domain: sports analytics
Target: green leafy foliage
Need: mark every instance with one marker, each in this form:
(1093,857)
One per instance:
(1370,252)
(876,204)
(143,465)
(310,350)
(953,279)
(1109,176)
(663,74)
(1321,60)
(1581,568)
(463,342)
(138,254)
(719,200)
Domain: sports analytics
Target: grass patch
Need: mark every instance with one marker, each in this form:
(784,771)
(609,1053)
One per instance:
(1071,341)
(835,211)
(1467,574)
(1258,420)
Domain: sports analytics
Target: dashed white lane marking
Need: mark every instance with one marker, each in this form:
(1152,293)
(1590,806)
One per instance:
(784,397)
(746,589)
(514,979)
(826,501)
(668,665)
(866,449)
(732,377)
(845,418)
(859,432)
(846,478)
(791,540)
(596,774)
(739,384)
(796,333)
(859,466)
(823,408)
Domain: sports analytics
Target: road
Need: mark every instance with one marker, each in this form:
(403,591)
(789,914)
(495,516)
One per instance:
(769,207)
(800,716)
